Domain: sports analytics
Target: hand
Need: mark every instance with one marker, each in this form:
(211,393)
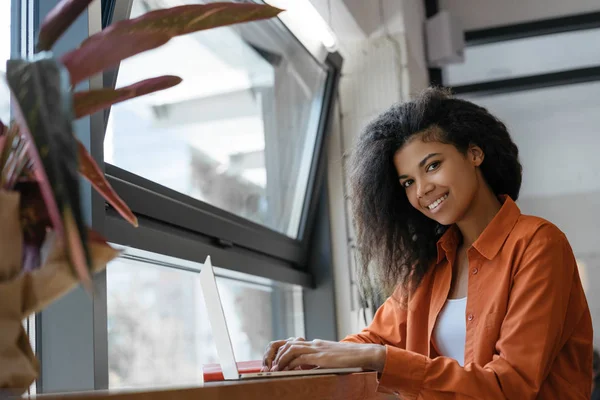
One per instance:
(325,354)
(273,348)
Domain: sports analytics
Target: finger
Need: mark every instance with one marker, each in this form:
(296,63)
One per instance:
(279,352)
(291,354)
(271,352)
(302,362)
(283,349)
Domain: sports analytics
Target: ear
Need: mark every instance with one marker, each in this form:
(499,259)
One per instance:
(475,155)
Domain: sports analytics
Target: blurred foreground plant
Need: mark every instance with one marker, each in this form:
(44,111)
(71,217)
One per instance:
(41,160)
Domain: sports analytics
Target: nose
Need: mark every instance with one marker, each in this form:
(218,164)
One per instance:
(423,188)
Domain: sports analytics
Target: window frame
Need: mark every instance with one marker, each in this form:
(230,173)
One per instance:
(148,199)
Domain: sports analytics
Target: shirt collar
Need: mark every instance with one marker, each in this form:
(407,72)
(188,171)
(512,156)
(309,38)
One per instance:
(492,238)
(448,242)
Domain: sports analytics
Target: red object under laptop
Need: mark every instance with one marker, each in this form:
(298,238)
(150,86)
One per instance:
(213,372)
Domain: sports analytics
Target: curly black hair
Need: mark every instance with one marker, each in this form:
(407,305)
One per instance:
(398,239)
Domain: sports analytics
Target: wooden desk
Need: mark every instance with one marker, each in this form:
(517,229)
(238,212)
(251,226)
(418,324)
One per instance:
(361,386)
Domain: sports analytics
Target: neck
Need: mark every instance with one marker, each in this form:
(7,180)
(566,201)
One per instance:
(484,207)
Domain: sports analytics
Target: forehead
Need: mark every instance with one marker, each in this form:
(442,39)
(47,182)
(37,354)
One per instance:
(412,153)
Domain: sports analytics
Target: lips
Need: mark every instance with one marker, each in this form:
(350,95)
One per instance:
(436,203)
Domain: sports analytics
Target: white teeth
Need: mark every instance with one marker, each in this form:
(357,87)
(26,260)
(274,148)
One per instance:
(437,202)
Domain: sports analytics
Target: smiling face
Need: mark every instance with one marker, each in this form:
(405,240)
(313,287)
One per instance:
(440,181)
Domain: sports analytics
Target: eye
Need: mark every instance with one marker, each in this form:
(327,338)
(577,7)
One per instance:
(433,166)
(406,183)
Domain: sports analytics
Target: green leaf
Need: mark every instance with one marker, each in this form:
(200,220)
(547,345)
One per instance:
(127,38)
(43,110)
(89,102)
(58,20)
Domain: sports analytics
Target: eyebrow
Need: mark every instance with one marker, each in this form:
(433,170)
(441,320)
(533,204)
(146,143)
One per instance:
(422,163)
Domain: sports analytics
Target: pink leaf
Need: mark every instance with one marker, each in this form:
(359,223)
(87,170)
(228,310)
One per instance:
(127,38)
(86,103)
(186,19)
(99,55)
(90,170)
(42,105)
(39,173)
(58,20)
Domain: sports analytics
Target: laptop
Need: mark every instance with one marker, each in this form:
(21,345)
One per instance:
(222,339)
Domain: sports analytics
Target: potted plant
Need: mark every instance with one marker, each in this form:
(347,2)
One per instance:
(41,160)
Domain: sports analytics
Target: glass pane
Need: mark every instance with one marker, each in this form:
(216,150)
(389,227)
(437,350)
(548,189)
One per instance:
(557,132)
(158,328)
(238,133)
(524,57)
(4,55)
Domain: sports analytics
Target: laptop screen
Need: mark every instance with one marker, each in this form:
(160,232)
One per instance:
(218,324)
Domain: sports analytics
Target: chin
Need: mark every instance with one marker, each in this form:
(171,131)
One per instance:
(442,219)
(445,217)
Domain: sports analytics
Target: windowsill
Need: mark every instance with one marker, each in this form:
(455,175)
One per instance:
(347,387)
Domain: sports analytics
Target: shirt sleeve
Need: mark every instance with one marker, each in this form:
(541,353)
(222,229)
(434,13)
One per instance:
(530,337)
(387,328)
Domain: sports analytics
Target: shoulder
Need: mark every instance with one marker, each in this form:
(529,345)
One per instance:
(530,229)
(540,244)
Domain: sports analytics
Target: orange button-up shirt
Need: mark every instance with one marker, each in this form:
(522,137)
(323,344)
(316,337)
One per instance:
(529,330)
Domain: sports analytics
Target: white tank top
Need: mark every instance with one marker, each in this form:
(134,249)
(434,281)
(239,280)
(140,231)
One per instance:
(450,330)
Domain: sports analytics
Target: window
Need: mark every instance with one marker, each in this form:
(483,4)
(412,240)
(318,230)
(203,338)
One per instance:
(5,41)
(525,57)
(239,133)
(224,164)
(158,328)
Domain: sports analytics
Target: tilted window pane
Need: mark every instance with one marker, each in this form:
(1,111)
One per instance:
(239,132)
(526,57)
(158,328)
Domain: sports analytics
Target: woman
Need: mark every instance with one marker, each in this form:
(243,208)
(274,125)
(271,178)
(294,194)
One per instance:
(488,302)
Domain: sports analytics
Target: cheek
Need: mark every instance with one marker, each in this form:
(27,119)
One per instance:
(466,183)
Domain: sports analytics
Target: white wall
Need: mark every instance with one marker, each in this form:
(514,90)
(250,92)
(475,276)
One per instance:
(371,82)
(478,14)
(381,67)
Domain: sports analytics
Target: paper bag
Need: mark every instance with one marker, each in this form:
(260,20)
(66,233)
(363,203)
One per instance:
(22,294)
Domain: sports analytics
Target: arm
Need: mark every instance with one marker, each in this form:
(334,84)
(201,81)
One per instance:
(530,339)
(365,349)
(388,326)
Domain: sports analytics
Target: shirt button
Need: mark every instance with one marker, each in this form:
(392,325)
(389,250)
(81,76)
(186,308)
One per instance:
(475,271)
(470,317)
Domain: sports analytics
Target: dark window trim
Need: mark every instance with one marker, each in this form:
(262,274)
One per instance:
(318,167)
(570,23)
(150,199)
(530,82)
(535,28)
(159,237)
